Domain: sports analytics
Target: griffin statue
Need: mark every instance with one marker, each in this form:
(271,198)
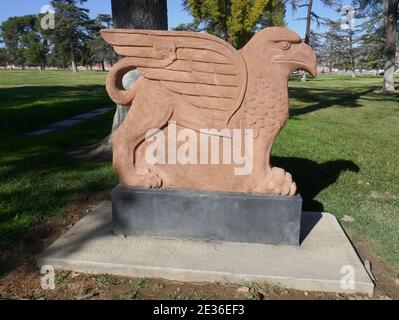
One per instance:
(198,81)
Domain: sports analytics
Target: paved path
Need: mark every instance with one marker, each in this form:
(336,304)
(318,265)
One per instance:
(64,124)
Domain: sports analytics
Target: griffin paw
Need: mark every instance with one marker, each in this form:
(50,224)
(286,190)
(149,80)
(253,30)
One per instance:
(144,178)
(279,182)
(151,180)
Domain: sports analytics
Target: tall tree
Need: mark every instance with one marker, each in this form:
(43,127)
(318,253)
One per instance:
(35,54)
(10,34)
(390,48)
(347,35)
(12,31)
(36,45)
(100,51)
(373,39)
(24,41)
(235,20)
(311,16)
(274,15)
(3,57)
(390,8)
(72,28)
(58,57)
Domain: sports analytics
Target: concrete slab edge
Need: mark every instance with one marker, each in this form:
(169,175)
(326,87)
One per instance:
(186,275)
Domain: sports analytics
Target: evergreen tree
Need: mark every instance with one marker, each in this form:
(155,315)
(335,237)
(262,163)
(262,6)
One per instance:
(100,51)
(311,16)
(3,57)
(72,29)
(389,22)
(191,26)
(373,40)
(348,38)
(35,55)
(235,21)
(331,50)
(274,14)
(24,41)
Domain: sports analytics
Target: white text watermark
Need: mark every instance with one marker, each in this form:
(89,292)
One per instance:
(208,146)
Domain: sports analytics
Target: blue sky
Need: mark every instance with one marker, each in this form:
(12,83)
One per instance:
(177,15)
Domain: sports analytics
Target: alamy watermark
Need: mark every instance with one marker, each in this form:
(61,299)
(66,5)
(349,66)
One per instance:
(204,147)
(48,20)
(47,282)
(348,279)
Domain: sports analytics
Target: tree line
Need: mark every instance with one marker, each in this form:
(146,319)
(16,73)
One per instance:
(368,44)
(75,39)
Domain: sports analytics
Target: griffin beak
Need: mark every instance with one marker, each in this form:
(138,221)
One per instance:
(300,57)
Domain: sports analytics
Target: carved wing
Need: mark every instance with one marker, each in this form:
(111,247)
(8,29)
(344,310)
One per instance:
(205,71)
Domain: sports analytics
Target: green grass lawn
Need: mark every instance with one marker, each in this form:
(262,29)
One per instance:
(37,179)
(341,145)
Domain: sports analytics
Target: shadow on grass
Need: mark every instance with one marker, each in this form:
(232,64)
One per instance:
(317,99)
(16,97)
(30,107)
(39,186)
(312,177)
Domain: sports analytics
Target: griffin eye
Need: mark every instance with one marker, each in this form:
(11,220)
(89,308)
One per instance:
(285,45)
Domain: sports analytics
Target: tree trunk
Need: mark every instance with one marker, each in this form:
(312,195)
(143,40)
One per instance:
(308,21)
(145,14)
(102,65)
(390,48)
(226,31)
(131,14)
(73,57)
(307,34)
(353,67)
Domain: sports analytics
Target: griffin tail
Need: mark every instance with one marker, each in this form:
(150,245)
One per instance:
(114,83)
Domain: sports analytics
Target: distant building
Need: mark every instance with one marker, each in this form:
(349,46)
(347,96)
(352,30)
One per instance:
(323,69)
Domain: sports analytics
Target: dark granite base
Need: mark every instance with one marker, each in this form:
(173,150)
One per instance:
(221,216)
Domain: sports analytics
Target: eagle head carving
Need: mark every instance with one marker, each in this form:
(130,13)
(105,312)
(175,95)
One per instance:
(284,48)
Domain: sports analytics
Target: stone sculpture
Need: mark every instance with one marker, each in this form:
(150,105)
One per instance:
(199,81)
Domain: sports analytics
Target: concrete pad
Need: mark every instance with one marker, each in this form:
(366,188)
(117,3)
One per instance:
(316,265)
